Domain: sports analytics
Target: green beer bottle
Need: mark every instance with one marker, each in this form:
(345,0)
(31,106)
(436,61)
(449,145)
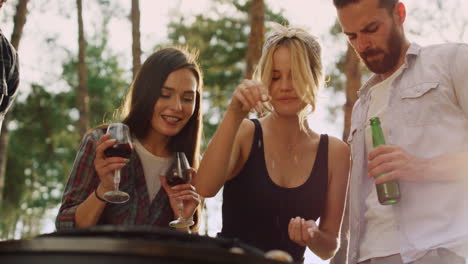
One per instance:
(388,192)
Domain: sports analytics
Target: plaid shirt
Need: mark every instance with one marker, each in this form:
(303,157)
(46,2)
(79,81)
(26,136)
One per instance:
(9,75)
(84,179)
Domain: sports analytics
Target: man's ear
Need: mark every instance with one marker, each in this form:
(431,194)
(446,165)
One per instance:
(400,12)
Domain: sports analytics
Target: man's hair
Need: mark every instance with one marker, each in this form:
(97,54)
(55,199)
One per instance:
(389,4)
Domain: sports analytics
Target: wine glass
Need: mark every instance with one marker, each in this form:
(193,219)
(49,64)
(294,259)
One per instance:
(179,173)
(122,148)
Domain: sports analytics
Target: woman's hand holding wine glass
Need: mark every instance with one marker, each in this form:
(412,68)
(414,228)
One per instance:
(112,153)
(182,195)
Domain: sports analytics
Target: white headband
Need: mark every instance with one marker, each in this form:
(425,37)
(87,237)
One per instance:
(280,32)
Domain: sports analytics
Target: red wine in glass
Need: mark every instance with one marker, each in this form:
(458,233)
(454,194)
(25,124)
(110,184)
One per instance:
(179,173)
(123,150)
(176,176)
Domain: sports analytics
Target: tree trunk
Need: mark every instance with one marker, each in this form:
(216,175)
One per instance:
(3,154)
(256,37)
(353,83)
(353,75)
(20,20)
(136,47)
(82,91)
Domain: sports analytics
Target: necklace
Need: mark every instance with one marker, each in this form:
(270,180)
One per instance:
(291,153)
(284,146)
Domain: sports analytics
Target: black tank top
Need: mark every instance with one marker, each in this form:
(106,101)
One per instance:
(257,211)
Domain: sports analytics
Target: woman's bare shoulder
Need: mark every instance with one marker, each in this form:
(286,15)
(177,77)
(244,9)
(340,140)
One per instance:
(338,156)
(247,126)
(337,145)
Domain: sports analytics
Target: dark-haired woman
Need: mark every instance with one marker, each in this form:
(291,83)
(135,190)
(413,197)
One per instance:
(162,108)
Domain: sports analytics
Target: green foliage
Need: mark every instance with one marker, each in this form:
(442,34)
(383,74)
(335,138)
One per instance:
(336,79)
(222,41)
(39,153)
(106,82)
(44,139)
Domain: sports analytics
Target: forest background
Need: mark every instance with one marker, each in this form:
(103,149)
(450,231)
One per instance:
(77,59)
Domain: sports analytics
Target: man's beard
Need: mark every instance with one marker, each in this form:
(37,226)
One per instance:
(390,59)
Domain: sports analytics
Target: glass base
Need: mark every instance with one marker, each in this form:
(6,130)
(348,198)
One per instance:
(117,197)
(181,223)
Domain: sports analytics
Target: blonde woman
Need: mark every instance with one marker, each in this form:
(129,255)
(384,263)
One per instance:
(279,176)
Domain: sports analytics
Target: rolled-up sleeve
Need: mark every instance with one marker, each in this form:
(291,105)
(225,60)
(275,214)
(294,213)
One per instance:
(81,183)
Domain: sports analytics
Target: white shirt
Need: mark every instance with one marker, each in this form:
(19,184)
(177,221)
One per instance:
(380,237)
(427,116)
(153,167)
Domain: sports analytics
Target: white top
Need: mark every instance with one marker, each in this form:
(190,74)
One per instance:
(153,167)
(380,237)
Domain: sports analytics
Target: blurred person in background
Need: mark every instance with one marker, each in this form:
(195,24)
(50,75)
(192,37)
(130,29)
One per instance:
(9,74)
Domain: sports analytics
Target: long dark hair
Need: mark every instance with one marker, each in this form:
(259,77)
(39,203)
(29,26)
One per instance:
(138,107)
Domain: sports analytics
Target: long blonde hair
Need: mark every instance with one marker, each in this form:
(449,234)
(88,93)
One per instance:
(306,64)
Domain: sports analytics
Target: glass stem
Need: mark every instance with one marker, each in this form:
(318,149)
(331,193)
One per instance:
(180,207)
(116,179)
